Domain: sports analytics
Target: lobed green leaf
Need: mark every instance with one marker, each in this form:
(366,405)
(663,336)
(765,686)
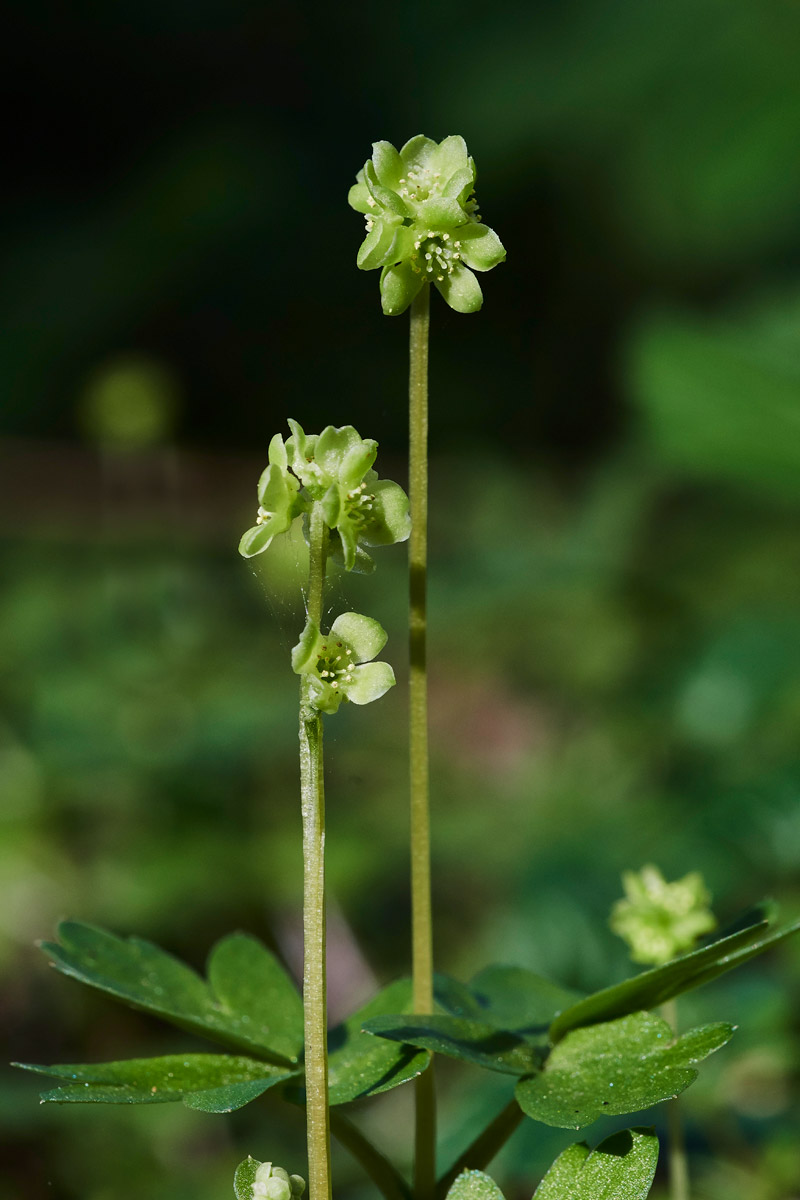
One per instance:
(249,1002)
(652,988)
(469,1040)
(474,1185)
(208,1082)
(619,1067)
(620,1168)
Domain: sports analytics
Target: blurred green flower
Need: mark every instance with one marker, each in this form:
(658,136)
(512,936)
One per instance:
(422,223)
(660,920)
(338,664)
(335,470)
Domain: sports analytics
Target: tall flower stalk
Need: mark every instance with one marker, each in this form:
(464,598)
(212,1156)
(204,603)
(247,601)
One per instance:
(329,480)
(422,228)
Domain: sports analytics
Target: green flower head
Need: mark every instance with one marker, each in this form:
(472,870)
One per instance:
(274,1183)
(660,920)
(334,469)
(338,664)
(423,226)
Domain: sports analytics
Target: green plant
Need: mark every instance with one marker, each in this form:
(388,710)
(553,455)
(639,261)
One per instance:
(572,1059)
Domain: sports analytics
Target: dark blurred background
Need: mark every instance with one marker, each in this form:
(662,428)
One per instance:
(615,439)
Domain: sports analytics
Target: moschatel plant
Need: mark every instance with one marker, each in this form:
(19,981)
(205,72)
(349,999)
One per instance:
(572,1058)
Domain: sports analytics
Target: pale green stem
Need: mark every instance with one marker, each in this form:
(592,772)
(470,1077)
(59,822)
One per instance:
(676,1143)
(312,795)
(421,918)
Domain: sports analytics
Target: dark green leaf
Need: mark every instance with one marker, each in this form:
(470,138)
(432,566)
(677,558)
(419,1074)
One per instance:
(210,1082)
(148,978)
(360,1065)
(244,1178)
(474,1185)
(620,1168)
(619,1067)
(459,1037)
(515,998)
(249,983)
(652,988)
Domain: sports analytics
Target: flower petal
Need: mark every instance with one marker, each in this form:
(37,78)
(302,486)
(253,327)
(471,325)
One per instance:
(451,155)
(255,541)
(399,286)
(277,452)
(390,520)
(459,182)
(336,447)
(359,198)
(323,697)
(372,251)
(370,682)
(440,213)
(418,151)
(461,290)
(384,196)
(388,165)
(307,650)
(481,248)
(365,636)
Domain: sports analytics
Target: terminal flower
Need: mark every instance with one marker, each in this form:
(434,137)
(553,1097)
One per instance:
(660,920)
(338,664)
(423,224)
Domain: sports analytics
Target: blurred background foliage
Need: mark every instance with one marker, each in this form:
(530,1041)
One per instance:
(615,573)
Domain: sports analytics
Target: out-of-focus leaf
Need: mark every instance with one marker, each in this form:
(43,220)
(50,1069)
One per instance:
(474,1185)
(517,999)
(459,1037)
(651,988)
(620,1168)
(256,1007)
(723,400)
(619,1067)
(209,1082)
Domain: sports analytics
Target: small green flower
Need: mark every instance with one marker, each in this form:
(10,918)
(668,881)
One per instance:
(660,920)
(279,502)
(334,469)
(422,223)
(338,664)
(274,1183)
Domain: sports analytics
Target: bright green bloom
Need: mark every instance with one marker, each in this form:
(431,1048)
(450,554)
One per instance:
(660,920)
(338,664)
(274,1183)
(422,223)
(334,469)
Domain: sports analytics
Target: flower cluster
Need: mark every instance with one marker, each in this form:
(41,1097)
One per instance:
(334,469)
(338,664)
(423,226)
(660,920)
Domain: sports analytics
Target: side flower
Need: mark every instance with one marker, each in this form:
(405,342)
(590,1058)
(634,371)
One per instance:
(338,665)
(333,469)
(423,224)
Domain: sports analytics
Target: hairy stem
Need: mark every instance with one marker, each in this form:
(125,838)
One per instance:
(312,795)
(676,1142)
(481,1152)
(421,919)
(384,1175)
